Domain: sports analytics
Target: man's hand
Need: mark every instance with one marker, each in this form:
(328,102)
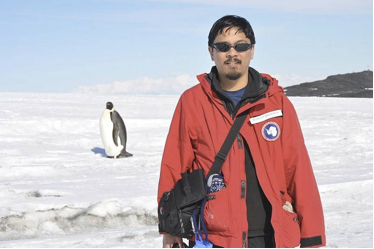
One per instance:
(169,240)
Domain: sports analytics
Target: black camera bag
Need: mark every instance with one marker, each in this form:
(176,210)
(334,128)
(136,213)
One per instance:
(177,205)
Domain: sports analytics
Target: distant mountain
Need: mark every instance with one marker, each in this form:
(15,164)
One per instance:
(350,85)
(174,84)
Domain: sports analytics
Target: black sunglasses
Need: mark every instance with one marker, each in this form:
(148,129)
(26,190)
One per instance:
(225,47)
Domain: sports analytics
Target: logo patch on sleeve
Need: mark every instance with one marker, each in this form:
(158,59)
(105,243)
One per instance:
(270,131)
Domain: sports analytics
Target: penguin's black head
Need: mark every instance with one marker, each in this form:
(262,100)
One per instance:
(109,105)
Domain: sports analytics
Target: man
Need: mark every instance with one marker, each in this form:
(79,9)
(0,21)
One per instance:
(271,198)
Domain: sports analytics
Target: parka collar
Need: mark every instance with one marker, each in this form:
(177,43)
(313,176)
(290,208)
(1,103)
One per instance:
(256,86)
(256,90)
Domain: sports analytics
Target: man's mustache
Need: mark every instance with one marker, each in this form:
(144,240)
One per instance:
(233,60)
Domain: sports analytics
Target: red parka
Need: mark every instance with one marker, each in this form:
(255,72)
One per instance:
(199,127)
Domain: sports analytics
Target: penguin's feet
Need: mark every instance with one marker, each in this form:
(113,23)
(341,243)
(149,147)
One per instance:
(127,154)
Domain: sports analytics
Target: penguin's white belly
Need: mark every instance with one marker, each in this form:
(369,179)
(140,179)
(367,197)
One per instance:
(106,131)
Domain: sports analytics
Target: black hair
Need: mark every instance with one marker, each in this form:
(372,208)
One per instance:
(231,21)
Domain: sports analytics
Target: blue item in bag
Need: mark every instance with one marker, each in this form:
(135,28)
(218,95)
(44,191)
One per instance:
(199,241)
(215,183)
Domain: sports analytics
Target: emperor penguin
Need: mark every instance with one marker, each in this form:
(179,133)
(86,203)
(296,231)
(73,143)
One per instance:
(113,133)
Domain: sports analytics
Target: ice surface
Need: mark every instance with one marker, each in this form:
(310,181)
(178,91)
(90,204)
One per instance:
(58,189)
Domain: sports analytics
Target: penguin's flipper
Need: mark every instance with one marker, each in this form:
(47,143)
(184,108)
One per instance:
(120,126)
(115,134)
(115,130)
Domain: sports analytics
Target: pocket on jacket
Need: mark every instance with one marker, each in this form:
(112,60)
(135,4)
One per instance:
(291,229)
(217,212)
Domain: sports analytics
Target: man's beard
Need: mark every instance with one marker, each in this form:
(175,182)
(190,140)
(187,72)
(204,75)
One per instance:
(233,75)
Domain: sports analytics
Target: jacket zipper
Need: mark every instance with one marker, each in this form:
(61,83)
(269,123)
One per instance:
(181,221)
(242,183)
(240,143)
(242,189)
(244,239)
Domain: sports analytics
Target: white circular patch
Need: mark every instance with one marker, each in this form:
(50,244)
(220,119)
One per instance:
(270,131)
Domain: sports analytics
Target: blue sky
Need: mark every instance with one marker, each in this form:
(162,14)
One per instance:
(58,45)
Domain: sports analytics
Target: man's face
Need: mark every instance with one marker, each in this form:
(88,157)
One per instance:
(232,64)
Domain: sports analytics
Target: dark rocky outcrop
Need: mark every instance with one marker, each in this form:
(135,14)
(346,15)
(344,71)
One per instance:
(351,85)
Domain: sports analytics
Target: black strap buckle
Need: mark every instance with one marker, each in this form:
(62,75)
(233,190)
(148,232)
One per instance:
(221,157)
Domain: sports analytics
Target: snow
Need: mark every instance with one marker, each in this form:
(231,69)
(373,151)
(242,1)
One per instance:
(58,189)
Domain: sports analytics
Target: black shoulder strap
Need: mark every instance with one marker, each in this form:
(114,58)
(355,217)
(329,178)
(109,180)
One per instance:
(220,158)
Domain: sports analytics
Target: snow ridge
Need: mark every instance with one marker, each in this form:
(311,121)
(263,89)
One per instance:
(107,214)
